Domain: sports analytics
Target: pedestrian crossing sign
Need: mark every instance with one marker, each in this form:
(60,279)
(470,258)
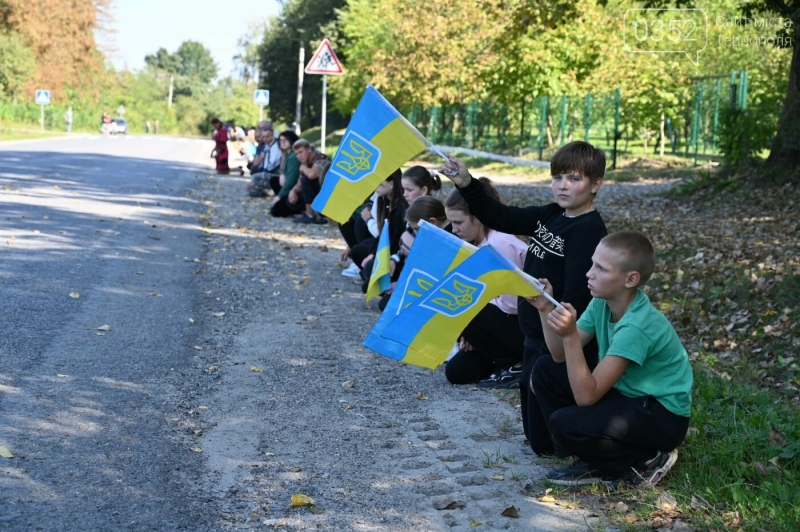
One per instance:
(324,61)
(261,97)
(42,97)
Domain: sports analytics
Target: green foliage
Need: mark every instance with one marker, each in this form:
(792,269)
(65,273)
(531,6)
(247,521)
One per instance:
(17,62)
(743,135)
(191,60)
(300,22)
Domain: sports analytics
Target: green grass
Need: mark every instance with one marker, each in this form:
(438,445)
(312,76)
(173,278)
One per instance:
(10,132)
(736,431)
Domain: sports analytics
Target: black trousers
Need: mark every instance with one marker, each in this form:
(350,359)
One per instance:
(310,188)
(612,435)
(275,183)
(354,231)
(362,250)
(283,208)
(497,343)
(532,421)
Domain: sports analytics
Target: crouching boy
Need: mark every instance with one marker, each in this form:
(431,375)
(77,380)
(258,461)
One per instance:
(624,420)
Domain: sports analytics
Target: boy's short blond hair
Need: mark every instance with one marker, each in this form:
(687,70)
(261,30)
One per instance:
(635,253)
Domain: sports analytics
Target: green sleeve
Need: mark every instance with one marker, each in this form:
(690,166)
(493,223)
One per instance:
(292,172)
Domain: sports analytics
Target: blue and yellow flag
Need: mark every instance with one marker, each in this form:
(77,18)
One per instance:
(378,141)
(434,253)
(432,323)
(380,279)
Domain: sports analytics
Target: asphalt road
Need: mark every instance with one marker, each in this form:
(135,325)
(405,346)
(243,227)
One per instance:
(88,413)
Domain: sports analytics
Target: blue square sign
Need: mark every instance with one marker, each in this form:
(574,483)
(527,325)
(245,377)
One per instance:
(261,97)
(42,97)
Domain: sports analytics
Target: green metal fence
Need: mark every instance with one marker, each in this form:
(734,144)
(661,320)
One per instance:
(538,127)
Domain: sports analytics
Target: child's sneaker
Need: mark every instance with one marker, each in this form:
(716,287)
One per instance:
(652,470)
(506,378)
(578,474)
(352,271)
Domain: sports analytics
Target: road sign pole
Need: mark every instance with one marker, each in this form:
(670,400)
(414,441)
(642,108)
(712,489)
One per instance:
(260,113)
(324,109)
(41,118)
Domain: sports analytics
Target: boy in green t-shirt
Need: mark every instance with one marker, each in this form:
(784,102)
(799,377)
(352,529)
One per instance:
(625,419)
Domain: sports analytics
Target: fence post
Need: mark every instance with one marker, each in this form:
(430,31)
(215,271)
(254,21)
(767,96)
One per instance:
(488,136)
(696,121)
(472,111)
(743,91)
(716,119)
(522,126)
(563,119)
(617,97)
(432,126)
(543,128)
(588,119)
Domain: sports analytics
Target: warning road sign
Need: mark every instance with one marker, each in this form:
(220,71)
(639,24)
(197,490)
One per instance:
(43,97)
(324,61)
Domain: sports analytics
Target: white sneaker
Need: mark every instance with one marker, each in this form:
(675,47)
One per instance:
(352,271)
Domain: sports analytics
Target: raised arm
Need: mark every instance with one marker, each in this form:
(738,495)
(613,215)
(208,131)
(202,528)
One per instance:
(490,212)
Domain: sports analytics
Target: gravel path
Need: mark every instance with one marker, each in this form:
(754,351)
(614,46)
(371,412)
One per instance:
(285,400)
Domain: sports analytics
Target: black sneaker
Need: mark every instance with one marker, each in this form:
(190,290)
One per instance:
(578,474)
(652,470)
(318,220)
(304,219)
(504,379)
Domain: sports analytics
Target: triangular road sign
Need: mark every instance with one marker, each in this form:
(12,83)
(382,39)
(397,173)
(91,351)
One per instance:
(324,61)
(261,97)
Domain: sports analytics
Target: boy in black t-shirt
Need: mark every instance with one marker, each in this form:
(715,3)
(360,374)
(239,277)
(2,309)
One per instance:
(563,235)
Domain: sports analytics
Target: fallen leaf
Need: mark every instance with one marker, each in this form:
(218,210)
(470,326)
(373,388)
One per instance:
(348,407)
(311,318)
(776,439)
(197,347)
(212,369)
(631,518)
(422,397)
(197,432)
(547,498)
(74,295)
(666,501)
(300,499)
(202,407)
(5,453)
(621,507)
(293,469)
(498,477)
(448,503)
(155,294)
(256,370)
(349,384)
(218,314)
(473,524)
(191,320)
(61,375)
(699,503)
(104,328)
(269,454)
(511,511)
(196,449)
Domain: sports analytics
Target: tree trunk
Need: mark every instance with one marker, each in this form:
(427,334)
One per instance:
(783,163)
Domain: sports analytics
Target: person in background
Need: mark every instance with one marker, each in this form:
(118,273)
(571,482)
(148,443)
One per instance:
(490,348)
(220,151)
(419,181)
(248,147)
(313,167)
(267,171)
(280,205)
(68,119)
(147,127)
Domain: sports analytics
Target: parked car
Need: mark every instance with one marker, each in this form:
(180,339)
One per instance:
(122,125)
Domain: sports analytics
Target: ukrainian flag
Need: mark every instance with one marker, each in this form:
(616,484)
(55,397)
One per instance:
(432,324)
(434,253)
(378,141)
(380,279)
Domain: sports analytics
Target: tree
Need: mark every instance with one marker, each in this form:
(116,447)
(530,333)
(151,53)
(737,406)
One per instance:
(783,162)
(301,22)
(17,62)
(196,62)
(163,60)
